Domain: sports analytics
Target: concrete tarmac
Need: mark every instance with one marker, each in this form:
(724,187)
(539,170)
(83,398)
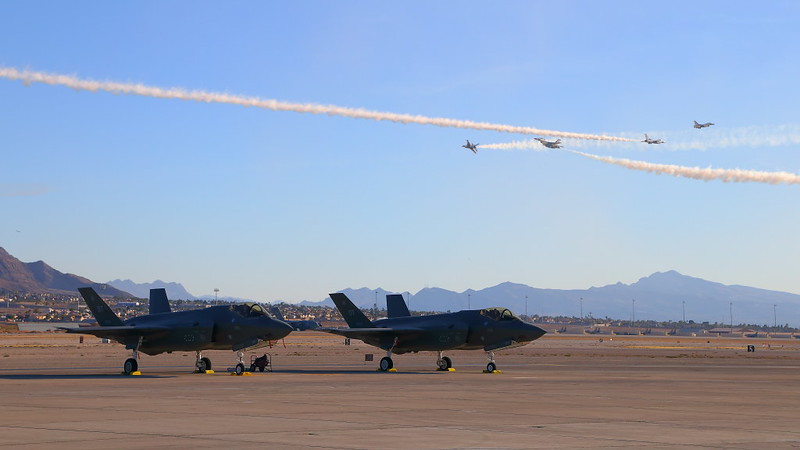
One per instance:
(558,392)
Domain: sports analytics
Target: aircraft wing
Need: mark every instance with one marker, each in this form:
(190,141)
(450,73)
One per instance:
(119,333)
(371,334)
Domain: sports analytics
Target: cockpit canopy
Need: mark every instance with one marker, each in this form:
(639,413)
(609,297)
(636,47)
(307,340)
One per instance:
(249,310)
(498,313)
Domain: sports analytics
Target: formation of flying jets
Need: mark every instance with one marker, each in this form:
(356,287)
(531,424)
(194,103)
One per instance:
(557,143)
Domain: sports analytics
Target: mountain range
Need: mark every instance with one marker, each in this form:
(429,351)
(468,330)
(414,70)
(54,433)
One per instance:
(659,296)
(39,278)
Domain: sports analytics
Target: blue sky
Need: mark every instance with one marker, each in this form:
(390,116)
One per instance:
(287,206)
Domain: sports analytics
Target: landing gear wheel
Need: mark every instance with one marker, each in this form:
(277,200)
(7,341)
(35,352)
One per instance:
(444,363)
(386,363)
(203,365)
(130,366)
(491,367)
(239,369)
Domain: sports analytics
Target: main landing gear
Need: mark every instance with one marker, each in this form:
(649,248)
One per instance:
(386,364)
(444,363)
(492,366)
(201,364)
(131,365)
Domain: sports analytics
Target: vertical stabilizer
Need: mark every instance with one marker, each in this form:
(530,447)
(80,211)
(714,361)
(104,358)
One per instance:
(277,313)
(352,315)
(396,306)
(158,301)
(100,310)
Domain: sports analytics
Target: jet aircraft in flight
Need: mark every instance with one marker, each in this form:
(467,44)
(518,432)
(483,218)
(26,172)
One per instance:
(471,146)
(652,141)
(489,329)
(702,125)
(550,144)
(229,327)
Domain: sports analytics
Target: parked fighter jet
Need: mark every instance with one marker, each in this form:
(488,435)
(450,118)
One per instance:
(471,146)
(298,325)
(489,329)
(702,125)
(652,141)
(236,327)
(550,144)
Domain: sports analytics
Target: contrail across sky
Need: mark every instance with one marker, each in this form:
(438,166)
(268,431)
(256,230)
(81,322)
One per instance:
(726,175)
(29,77)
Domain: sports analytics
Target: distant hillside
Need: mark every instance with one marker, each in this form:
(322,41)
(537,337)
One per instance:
(660,296)
(37,277)
(175,291)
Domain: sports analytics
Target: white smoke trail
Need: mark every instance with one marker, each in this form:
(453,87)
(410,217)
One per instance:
(516,145)
(29,77)
(726,175)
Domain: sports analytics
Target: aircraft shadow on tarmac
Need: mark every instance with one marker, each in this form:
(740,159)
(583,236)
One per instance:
(74,376)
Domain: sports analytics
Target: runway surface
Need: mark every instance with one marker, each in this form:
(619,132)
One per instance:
(558,392)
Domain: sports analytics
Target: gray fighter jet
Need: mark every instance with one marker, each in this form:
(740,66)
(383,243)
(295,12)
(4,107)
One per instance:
(298,325)
(471,146)
(550,144)
(702,125)
(489,329)
(231,327)
(652,141)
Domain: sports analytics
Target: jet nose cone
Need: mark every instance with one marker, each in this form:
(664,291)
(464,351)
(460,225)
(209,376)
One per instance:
(282,328)
(532,332)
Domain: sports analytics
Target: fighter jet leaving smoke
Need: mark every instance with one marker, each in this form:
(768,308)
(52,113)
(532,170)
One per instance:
(652,141)
(550,144)
(471,146)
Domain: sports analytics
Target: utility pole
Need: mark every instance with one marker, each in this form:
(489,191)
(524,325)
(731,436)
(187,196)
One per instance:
(633,311)
(581,308)
(526,306)
(775,314)
(469,301)
(731,312)
(684,311)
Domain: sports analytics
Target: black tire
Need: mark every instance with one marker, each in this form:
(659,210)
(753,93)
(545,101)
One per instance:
(386,363)
(491,367)
(207,363)
(441,364)
(448,361)
(239,369)
(130,366)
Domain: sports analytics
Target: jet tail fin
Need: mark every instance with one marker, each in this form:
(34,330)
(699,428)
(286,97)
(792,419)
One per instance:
(396,306)
(100,310)
(158,301)
(277,313)
(352,315)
